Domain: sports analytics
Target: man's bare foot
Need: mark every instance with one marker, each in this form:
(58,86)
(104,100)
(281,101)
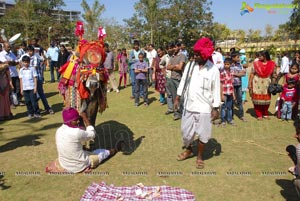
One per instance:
(199,164)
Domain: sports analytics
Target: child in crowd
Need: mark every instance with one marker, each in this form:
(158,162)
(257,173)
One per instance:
(243,61)
(227,94)
(123,67)
(293,74)
(141,69)
(36,64)
(28,85)
(289,99)
(238,72)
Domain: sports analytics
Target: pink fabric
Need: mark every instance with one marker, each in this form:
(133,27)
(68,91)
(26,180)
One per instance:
(5,112)
(69,114)
(205,48)
(101,192)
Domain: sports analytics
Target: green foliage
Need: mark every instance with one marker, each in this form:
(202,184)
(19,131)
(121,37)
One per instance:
(33,18)
(91,16)
(170,20)
(293,25)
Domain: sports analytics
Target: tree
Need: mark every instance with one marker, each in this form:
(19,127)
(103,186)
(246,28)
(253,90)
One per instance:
(241,35)
(281,34)
(269,31)
(117,35)
(32,18)
(254,35)
(171,20)
(293,25)
(220,32)
(91,16)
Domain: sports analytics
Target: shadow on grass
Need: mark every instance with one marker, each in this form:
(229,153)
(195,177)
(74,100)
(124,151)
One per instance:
(26,140)
(20,115)
(251,112)
(57,107)
(111,132)
(2,183)
(212,148)
(288,191)
(151,100)
(46,127)
(48,95)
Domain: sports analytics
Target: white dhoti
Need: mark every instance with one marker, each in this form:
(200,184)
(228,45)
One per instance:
(97,156)
(195,125)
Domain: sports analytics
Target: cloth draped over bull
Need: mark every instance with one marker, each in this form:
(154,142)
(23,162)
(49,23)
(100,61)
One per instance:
(84,80)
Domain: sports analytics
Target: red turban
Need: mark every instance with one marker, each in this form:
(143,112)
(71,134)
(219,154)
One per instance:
(204,47)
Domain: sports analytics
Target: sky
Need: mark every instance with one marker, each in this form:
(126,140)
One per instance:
(224,12)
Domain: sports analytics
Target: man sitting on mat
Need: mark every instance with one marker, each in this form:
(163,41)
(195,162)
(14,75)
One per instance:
(69,139)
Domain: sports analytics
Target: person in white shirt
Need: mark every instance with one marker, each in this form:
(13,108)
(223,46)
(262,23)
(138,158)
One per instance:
(218,59)
(69,138)
(8,57)
(200,87)
(151,54)
(164,62)
(284,67)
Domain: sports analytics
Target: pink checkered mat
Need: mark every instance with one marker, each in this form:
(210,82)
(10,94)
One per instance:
(103,192)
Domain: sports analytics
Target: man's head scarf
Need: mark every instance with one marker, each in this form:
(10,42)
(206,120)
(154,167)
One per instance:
(205,48)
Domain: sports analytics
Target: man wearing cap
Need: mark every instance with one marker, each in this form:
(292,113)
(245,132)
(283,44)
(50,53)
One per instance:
(69,139)
(200,87)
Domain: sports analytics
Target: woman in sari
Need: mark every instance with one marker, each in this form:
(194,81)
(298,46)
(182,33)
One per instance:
(5,86)
(263,73)
(159,76)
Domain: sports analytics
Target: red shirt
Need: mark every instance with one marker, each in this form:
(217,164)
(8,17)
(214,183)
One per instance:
(226,78)
(289,95)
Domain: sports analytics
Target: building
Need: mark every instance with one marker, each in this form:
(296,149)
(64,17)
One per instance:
(4,6)
(59,15)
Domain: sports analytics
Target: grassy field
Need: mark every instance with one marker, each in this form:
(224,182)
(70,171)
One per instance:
(252,165)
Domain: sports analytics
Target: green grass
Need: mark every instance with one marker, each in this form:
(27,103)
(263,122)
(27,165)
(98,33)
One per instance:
(153,143)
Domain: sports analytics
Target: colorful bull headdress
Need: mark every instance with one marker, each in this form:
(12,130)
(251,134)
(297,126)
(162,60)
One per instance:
(86,62)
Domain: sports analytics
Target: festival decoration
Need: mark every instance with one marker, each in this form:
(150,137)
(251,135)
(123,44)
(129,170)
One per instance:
(83,77)
(79,31)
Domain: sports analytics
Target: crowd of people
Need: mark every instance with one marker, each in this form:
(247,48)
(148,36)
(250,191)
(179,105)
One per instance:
(197,88)
(22,76)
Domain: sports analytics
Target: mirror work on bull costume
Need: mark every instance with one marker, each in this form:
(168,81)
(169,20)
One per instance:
(84,80)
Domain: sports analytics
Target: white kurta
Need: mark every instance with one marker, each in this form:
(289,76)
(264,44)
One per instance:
(200,96)
(71,156)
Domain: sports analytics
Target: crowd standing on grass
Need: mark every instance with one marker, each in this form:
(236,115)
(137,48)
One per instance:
(164,69)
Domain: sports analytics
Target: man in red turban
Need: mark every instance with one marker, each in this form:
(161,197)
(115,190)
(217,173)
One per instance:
(200,87)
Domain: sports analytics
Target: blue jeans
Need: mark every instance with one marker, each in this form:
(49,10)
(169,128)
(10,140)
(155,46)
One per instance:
(133,83)
(54,66)
(41,93)
(132,78)
(286,111)
(31,102)
(226,109)
(239,100)
(144,89)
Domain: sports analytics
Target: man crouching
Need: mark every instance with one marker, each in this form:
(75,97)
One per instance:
(69,139)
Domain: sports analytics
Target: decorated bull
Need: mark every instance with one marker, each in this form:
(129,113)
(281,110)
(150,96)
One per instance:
(84,80)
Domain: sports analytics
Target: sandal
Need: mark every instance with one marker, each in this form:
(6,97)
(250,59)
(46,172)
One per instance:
(185,155)
(199,164)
